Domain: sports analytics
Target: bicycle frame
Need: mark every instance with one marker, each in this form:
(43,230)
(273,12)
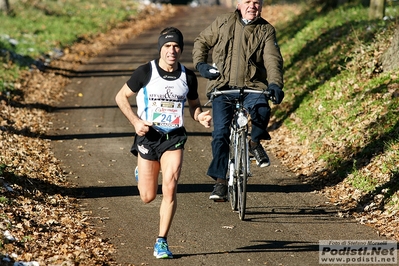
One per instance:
(239,162)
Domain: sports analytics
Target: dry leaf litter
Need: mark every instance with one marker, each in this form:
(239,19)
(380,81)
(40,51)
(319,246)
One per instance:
(39,226)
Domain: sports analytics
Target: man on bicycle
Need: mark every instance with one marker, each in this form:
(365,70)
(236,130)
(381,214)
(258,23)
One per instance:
(245,54)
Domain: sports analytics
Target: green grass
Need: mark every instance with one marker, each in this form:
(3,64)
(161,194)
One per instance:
(320,89)
(361,181)
(3,200)
(337,96)
(37,29)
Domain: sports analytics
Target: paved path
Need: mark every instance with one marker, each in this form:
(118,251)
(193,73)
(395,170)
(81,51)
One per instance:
(92,138)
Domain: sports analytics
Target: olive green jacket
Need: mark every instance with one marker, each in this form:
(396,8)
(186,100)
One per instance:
(246,55)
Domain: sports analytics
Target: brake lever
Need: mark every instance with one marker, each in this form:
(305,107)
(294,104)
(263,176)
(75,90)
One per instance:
(210,100)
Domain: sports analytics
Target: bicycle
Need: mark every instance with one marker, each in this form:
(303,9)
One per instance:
(239,160)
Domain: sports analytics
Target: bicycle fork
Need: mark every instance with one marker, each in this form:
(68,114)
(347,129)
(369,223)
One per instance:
(233,157)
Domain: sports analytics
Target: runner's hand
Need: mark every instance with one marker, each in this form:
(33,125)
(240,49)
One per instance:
(142,127)
(205,119)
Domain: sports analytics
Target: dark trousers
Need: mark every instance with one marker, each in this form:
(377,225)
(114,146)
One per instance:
(222,113)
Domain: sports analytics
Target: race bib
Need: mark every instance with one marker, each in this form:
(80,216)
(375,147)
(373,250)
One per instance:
(167,116)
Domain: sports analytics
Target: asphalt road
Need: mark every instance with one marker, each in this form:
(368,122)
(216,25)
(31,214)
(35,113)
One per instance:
(92,138)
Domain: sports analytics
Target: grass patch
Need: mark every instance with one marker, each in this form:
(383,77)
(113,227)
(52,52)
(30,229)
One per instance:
(39,30)
(338,96)
(361,181)
(3,200)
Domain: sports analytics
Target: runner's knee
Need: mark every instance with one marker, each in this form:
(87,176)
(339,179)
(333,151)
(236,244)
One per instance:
(147,198)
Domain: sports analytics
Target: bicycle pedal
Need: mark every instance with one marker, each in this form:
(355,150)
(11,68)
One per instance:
(220,200)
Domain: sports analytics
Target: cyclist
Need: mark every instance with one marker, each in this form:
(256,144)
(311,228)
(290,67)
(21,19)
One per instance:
(161,87)
(245,54)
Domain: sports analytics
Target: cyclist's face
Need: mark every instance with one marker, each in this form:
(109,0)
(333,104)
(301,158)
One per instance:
(250,9)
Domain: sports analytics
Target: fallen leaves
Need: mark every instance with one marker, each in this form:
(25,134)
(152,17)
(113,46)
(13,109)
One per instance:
(366,208)
(47,227)
(41,223)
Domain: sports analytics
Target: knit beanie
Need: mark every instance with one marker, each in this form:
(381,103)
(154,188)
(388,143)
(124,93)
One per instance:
(170,37)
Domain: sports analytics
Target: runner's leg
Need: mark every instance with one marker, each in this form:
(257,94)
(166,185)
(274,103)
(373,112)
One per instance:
(171,163)
(148,179)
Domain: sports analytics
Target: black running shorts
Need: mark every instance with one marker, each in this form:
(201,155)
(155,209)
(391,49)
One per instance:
(152,145)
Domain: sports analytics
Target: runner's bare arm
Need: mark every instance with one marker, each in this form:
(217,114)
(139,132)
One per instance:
(122,100)
(198,115)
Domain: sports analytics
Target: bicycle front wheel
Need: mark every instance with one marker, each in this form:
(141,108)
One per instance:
(232,180)
(242,170)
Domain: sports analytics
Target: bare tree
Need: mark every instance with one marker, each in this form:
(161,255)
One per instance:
(377,9)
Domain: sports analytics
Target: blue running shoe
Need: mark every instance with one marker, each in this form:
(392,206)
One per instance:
(161,249)
(136,173)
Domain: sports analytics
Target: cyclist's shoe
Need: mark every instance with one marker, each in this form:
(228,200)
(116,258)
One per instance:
(262,160)
(161,249)
(136,173)
(219,192)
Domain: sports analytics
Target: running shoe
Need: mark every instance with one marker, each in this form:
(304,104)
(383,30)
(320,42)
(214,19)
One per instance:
(161,249)
(136,173)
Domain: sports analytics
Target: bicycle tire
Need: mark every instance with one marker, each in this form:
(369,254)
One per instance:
(242,167)
(232,185)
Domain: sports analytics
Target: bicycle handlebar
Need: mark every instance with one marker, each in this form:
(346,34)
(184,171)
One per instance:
(236,90)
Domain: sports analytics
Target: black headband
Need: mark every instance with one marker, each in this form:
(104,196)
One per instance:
(170,37)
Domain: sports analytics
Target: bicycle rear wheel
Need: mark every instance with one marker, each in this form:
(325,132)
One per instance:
(242,170)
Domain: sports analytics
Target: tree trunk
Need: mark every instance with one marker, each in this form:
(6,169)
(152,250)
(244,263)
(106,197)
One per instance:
(377,9)
(4,6)
(390,59)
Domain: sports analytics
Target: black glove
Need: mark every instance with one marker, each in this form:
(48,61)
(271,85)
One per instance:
(276,93)
(208,71)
